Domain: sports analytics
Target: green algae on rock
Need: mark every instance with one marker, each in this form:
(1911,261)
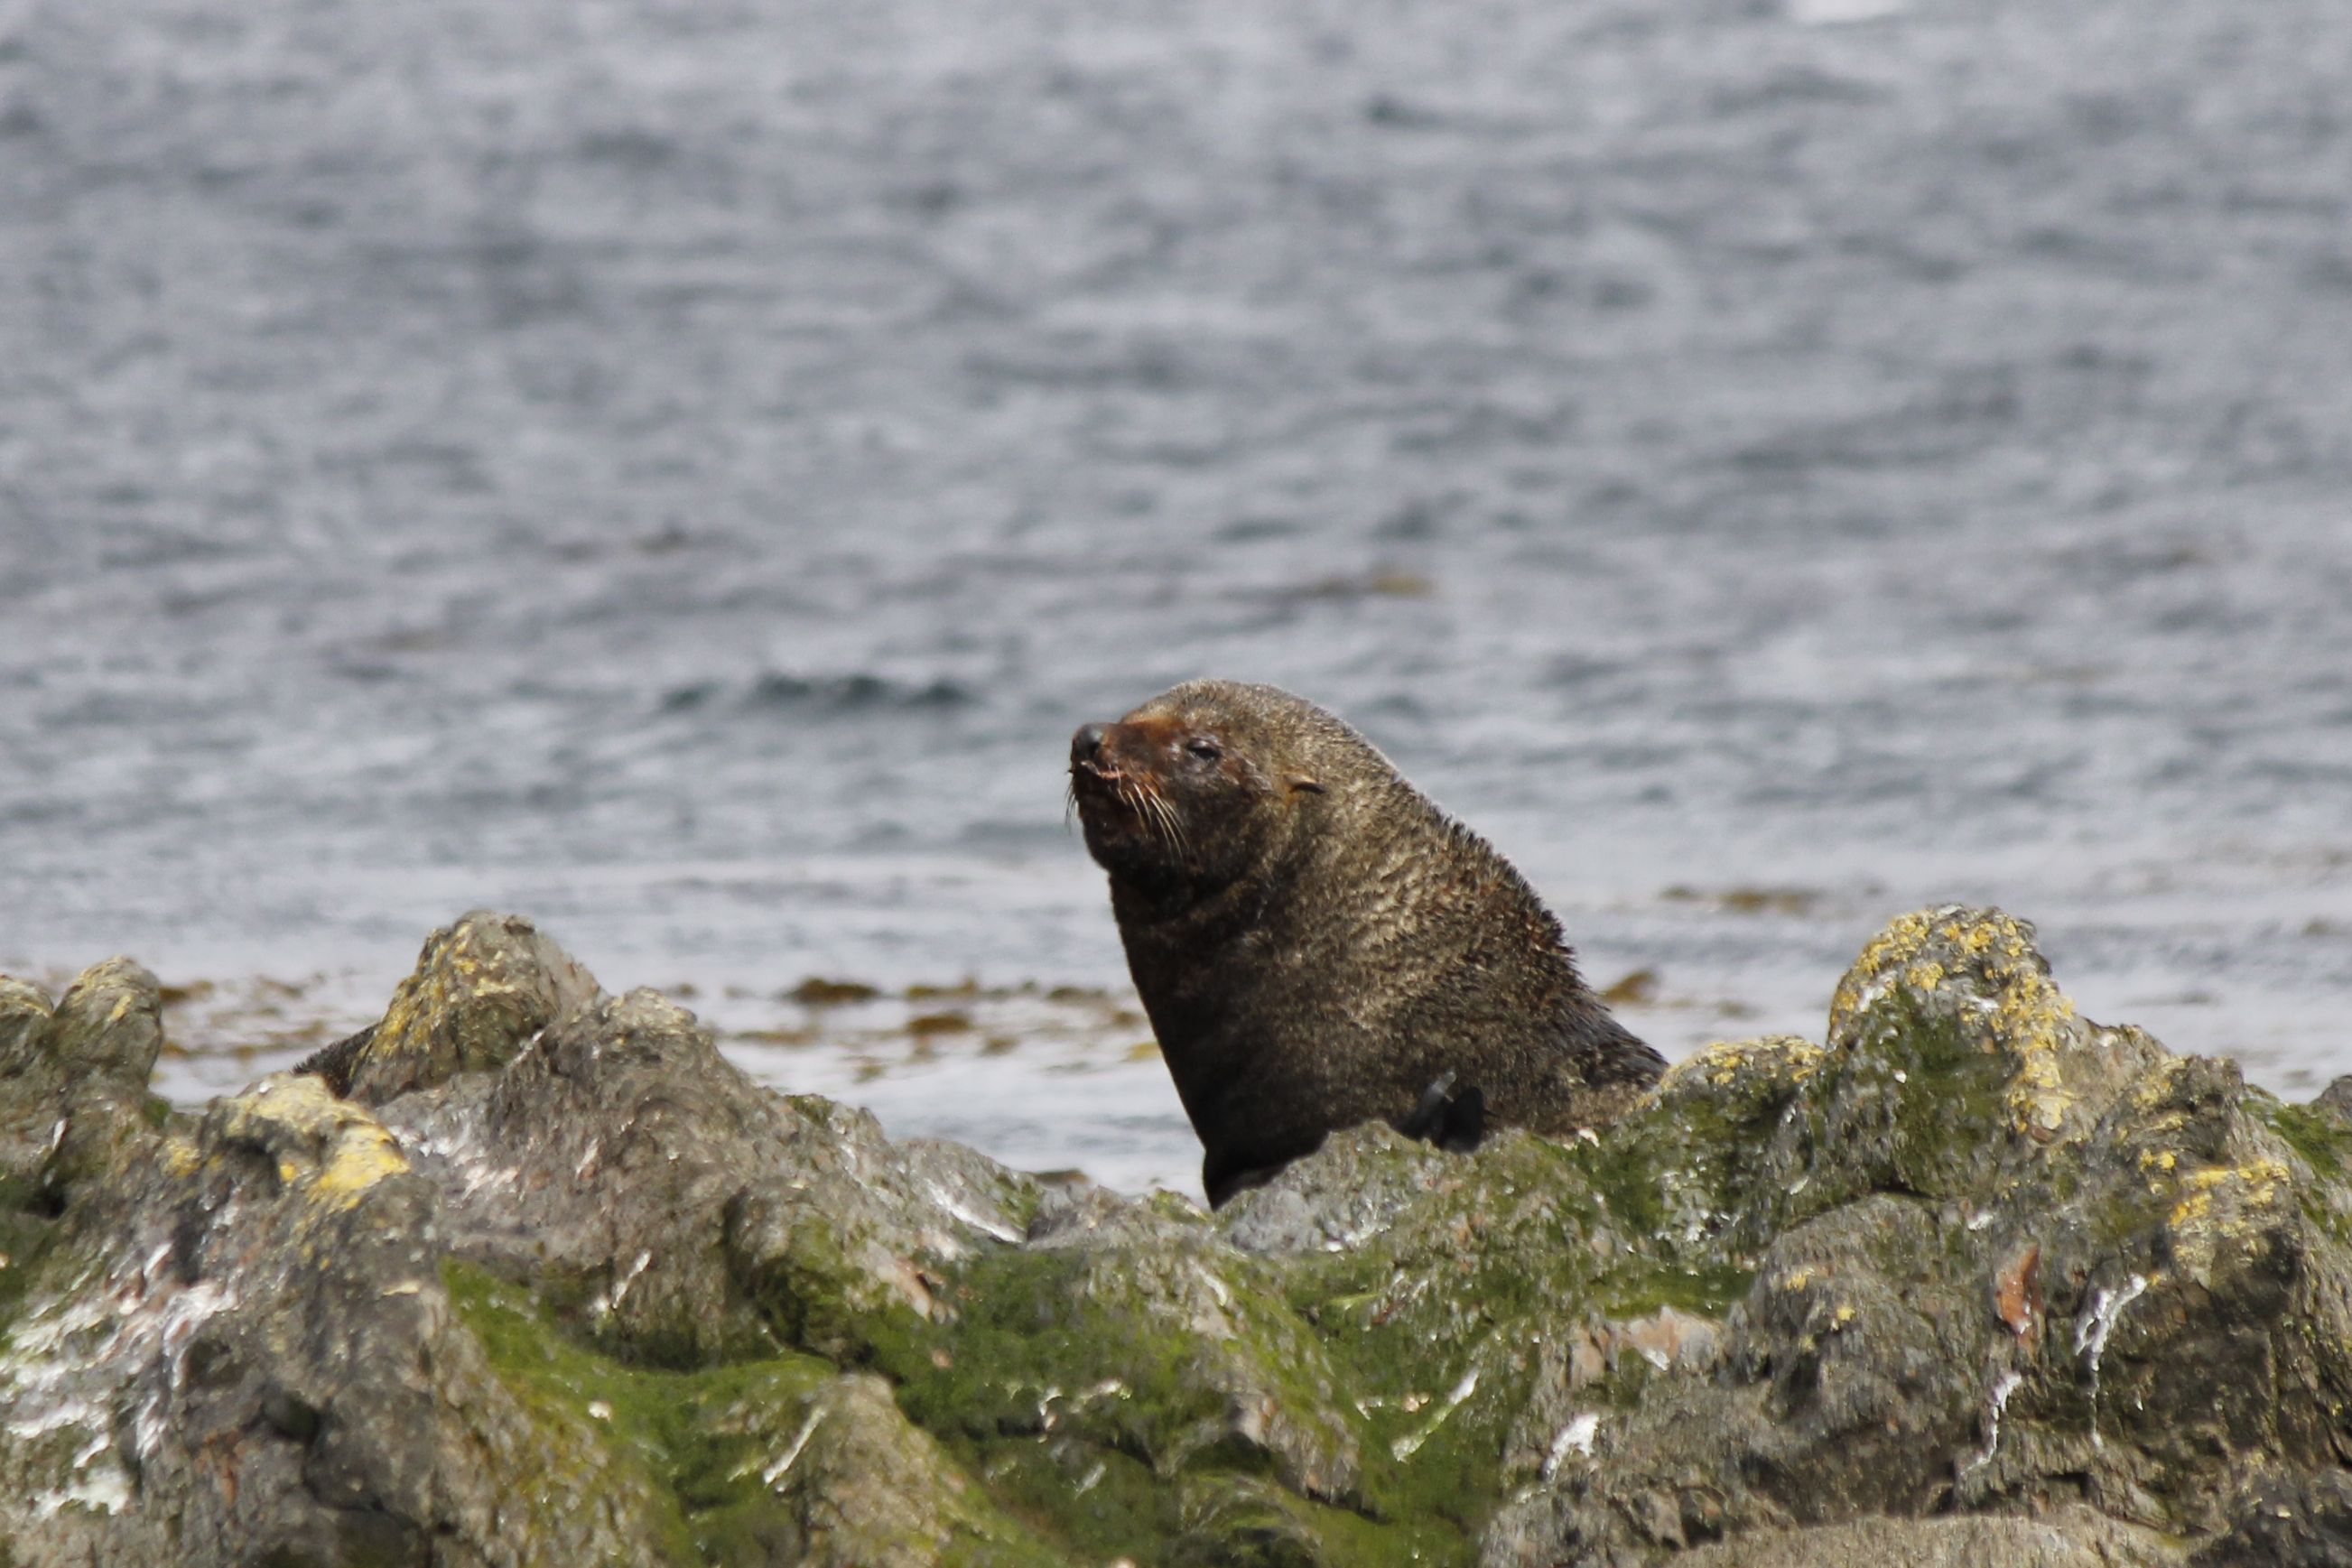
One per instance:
(1971,1280)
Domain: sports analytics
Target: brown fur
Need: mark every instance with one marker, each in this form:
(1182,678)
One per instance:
(1317,943)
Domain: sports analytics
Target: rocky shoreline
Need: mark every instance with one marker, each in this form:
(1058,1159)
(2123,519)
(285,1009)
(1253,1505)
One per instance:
(528,1273)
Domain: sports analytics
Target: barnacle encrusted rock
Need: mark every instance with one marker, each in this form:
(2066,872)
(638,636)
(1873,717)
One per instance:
(1979,971)
(1972,1280)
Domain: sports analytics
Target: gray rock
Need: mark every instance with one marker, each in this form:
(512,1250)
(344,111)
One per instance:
(244,1348)
(2072,1537)
(481,989)
(73,1078)
(1975,1281)
(2336,1100)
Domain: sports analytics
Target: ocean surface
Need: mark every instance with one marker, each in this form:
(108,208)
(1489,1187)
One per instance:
(680,471)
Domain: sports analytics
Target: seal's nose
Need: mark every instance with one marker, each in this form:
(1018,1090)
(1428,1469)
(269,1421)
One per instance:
(1085,743)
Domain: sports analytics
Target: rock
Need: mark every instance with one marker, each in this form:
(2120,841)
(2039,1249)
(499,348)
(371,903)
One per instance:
(2015,1260)
(248,1343)
(73,1078)
(1973,1281)
(279,1337)
(2336,1100)
(480,990)
(1360,1183)
(2287,1520)
(2069,1537)
(24,1014)
(681,1212)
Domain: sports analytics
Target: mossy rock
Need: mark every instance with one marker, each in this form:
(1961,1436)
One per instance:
(1973,1277)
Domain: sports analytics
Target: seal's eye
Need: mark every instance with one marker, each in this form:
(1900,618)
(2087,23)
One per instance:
(1205,749)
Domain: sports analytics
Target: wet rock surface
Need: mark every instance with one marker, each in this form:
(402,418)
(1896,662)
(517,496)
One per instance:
(528,1273)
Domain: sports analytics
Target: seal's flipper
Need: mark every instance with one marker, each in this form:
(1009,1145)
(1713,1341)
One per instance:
(1465,1126)
(1423,1120)
(1454,1122)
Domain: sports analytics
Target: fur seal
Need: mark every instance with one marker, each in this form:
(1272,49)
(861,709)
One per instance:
(1317,943)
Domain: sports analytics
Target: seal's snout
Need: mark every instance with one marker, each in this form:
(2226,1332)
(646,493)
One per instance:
(1086,745)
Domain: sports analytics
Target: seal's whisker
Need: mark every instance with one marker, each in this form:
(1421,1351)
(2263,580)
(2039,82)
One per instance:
(1168,827)
(1170,833)
(1175,819)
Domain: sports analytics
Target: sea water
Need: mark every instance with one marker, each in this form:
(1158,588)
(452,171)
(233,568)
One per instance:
(680,472)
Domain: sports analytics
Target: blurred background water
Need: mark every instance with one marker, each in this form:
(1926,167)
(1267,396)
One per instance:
(680,471)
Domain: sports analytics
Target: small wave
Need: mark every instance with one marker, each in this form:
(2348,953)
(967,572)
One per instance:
(1835,13)
(855,693)
(850,693)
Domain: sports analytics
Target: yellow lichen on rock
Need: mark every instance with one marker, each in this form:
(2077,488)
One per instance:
(1785,1058)
(2032,1018)
(329,1149)
(2155,1090)
(2259,1179)
(2222,1204)
(1889,950)
(1745,1081)
(23,997)
(482,988)
(458,974)
(2029,1018)
(179,1156)
(361,1156)
(25,1013)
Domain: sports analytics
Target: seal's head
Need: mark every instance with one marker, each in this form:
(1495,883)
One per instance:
(1175,796)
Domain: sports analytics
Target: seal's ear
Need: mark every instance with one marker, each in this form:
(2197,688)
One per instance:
(1301,784)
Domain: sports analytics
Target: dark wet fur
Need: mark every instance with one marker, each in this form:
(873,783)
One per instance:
(1319,945)
(334,1062)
